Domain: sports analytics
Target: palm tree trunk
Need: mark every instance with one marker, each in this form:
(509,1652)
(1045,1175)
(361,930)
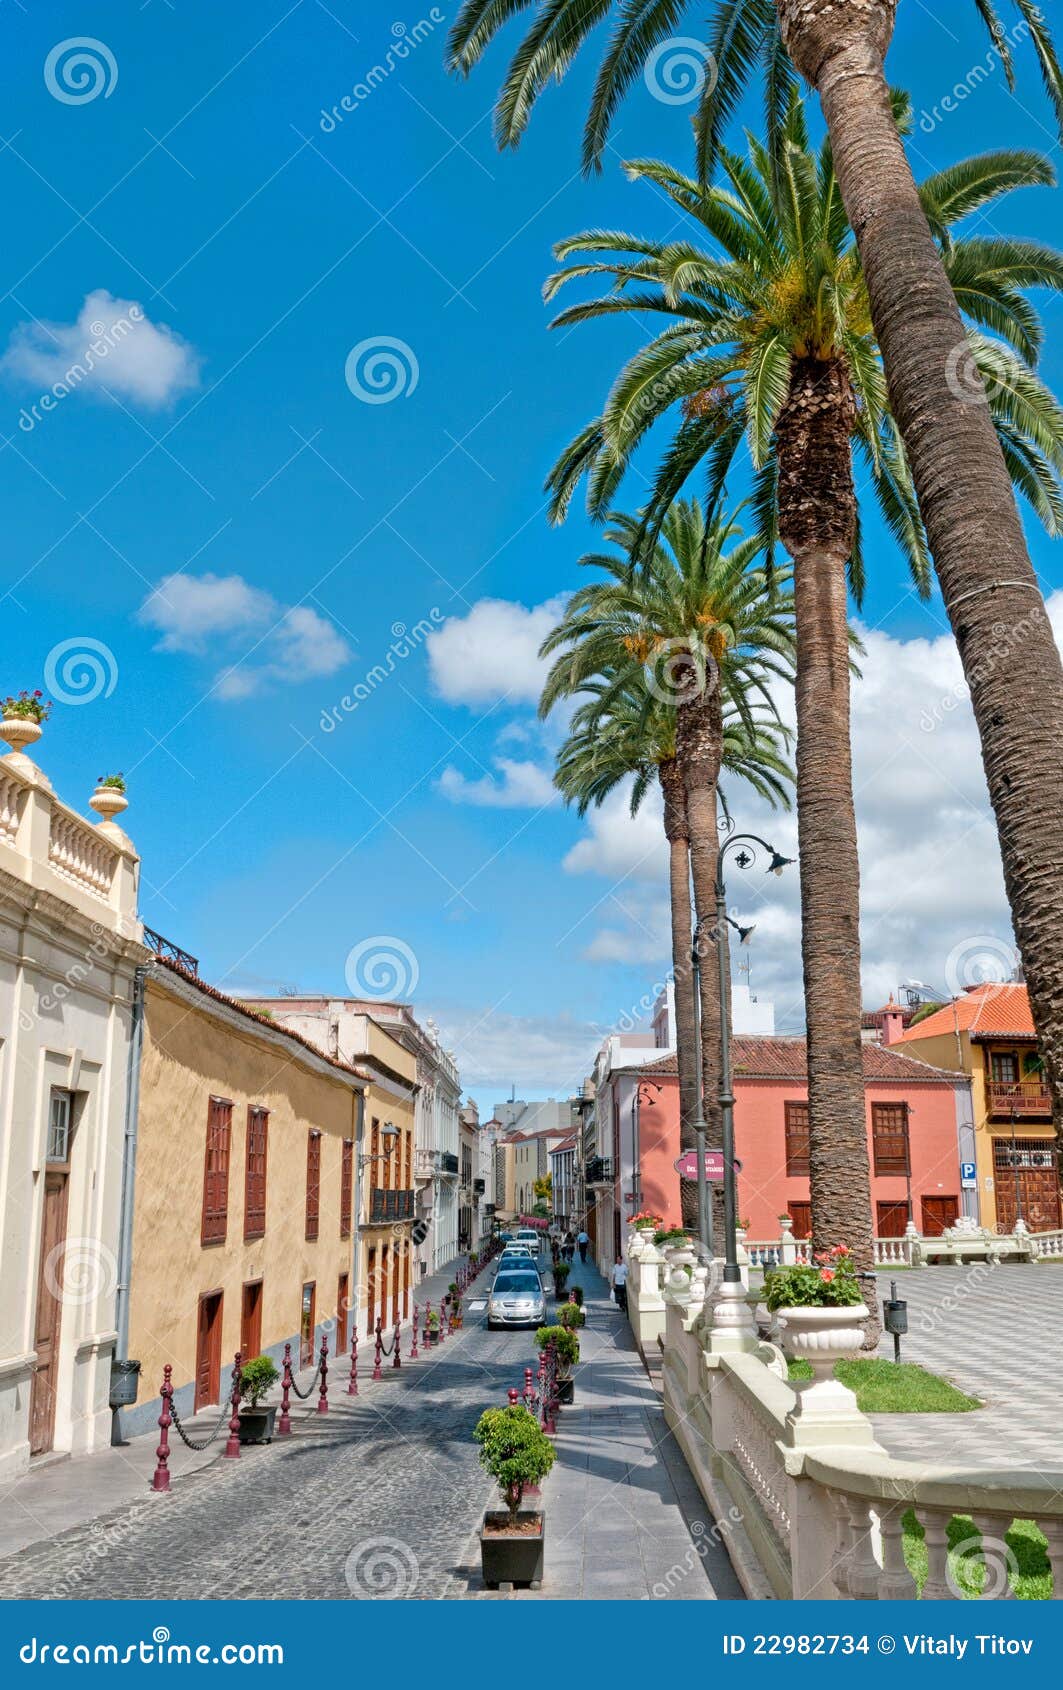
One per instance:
(817,514)
(675,827)
(699,752)
(1010,659)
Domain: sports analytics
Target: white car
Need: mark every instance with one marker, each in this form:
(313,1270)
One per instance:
(516,1298)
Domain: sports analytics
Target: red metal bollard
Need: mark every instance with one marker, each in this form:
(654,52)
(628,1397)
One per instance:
(160,1479)
(232,1447)
(284,1424)
(529,1388)
(397,1361)
(414,1351)
(352,1383)
(322,1401)
(376,1356)
(514,1396)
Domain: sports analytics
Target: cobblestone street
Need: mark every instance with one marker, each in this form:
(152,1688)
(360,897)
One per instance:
(385,1495)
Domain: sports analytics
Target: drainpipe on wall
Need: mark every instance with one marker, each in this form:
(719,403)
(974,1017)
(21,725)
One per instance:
(124,1376)
(356,1218)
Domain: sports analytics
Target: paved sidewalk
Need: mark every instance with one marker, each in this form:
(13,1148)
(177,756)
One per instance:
(625,1518)
(57,1495)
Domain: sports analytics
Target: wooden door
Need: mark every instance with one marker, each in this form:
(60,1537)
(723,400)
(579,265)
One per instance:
(891,1219)
(398,1255)
(208,1352)
(385,1281)
(370,1290)
(49,1312)
(801,1215)
(251,1320)
(406,1280)
(307,1323)
(938,1213)
(343,1297)
(1038,1192)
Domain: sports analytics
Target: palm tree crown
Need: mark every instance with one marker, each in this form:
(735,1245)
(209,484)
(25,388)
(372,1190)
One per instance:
(782,282)
(741,35)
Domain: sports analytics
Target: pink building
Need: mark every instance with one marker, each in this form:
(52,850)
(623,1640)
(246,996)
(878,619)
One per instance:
(919,1129)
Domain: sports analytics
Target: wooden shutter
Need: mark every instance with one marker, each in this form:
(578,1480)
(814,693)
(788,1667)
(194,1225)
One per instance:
(889,1137)
(216,1172)
(255,1172)
(313,1183)
(346,1187)
(796,1137)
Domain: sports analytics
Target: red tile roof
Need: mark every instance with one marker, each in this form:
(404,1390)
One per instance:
(986,1011)
(787,1059)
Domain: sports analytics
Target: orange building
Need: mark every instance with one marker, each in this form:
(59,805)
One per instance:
(988,1034)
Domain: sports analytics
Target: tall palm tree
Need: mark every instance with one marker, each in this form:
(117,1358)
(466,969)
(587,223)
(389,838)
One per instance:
(700,635)
(769,345)
(622,731)
(959,461)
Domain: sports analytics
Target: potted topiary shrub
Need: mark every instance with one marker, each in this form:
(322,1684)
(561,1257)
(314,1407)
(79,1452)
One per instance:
(821,1308)
(257,1377)
(109,798)
(22,718)
(571,1315)
(432,1326)
(566,1351)
(516,1452)
(561,1272)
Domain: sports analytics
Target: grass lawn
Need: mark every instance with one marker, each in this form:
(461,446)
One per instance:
(890,1387)
(1030,1573)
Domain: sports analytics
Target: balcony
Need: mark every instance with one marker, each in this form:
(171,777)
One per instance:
(599,1171)
(385,1206)
(479,1186)
(1022,1099)
(448,1164)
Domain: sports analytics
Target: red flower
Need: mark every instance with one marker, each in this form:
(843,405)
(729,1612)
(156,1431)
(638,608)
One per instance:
(826,1275)
(839,1249)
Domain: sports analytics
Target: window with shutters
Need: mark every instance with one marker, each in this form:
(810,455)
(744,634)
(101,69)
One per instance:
(313,1183)
(346,1187)
(889,1137)
(255,1172)
(796,1138)
(216,1172)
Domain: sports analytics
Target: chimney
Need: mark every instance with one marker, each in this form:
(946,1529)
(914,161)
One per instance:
(892,1023)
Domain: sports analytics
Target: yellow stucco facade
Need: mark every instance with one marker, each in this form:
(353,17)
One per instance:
(190,1268)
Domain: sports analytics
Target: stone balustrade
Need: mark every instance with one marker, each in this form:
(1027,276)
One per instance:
(809,1504)
(48,846)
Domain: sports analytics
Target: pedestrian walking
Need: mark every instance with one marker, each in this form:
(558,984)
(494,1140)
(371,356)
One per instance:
(582,1240)
(570,1246)
(618,1281)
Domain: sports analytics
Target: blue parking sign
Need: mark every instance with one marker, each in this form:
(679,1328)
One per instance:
(968,1173)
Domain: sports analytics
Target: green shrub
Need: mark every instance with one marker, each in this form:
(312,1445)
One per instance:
(570,1314)
(561,1273)
(671,1235)
(565,1342)
(256,1378)
(514,1450)
(828,1282)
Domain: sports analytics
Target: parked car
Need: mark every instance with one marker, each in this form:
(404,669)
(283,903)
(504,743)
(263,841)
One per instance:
(516,1298)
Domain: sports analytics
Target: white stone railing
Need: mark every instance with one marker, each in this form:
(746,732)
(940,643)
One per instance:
(10,807)
(77,853)
(1047,1243)
(814,1508)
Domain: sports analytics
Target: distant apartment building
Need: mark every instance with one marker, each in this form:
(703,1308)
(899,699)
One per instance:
(345,1027)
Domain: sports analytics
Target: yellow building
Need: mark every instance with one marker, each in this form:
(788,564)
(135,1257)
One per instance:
(246,1191)
(989,1034)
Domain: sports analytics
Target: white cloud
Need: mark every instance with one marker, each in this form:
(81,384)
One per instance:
(281,645)
(535,1053)
(517,785)
(492,654)
(112,344)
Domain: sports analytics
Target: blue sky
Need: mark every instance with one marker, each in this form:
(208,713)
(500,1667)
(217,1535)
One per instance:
(307,525)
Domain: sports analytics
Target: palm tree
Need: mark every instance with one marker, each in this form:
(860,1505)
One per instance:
(770,346)
(622,731)
(688,648)
(959,461)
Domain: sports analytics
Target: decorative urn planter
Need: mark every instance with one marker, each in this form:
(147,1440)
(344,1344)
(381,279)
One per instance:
(512,1557)
(822,1336)
(108,802)
(20,731)
(256,1425)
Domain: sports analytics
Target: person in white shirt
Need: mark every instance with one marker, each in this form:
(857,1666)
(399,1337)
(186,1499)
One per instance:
(582,1240)
(618,1281)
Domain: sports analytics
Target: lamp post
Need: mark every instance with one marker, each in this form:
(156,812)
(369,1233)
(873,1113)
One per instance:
(705,1218)
(730,1311)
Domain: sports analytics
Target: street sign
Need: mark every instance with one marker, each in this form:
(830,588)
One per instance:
(968,1175)
(687,1166)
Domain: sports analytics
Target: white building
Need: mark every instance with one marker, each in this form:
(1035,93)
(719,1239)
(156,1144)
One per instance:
(70,948)
(611,1172)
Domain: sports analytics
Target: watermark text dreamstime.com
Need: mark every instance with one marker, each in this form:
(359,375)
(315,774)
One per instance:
(157,1651)
(106,336)
(406,39)
(404,643)
(995,57)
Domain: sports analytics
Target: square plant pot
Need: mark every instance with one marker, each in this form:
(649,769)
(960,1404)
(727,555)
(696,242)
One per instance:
(256,1425)
(512,1557)
(566,1391)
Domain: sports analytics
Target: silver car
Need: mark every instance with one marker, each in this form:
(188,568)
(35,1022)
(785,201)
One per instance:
(513,1260)
(516,1299)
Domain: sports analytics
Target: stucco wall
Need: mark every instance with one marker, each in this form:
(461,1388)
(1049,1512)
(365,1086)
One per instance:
(191,1053)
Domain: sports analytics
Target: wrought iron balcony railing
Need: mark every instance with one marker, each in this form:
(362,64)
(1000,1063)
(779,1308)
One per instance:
(599,1171)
